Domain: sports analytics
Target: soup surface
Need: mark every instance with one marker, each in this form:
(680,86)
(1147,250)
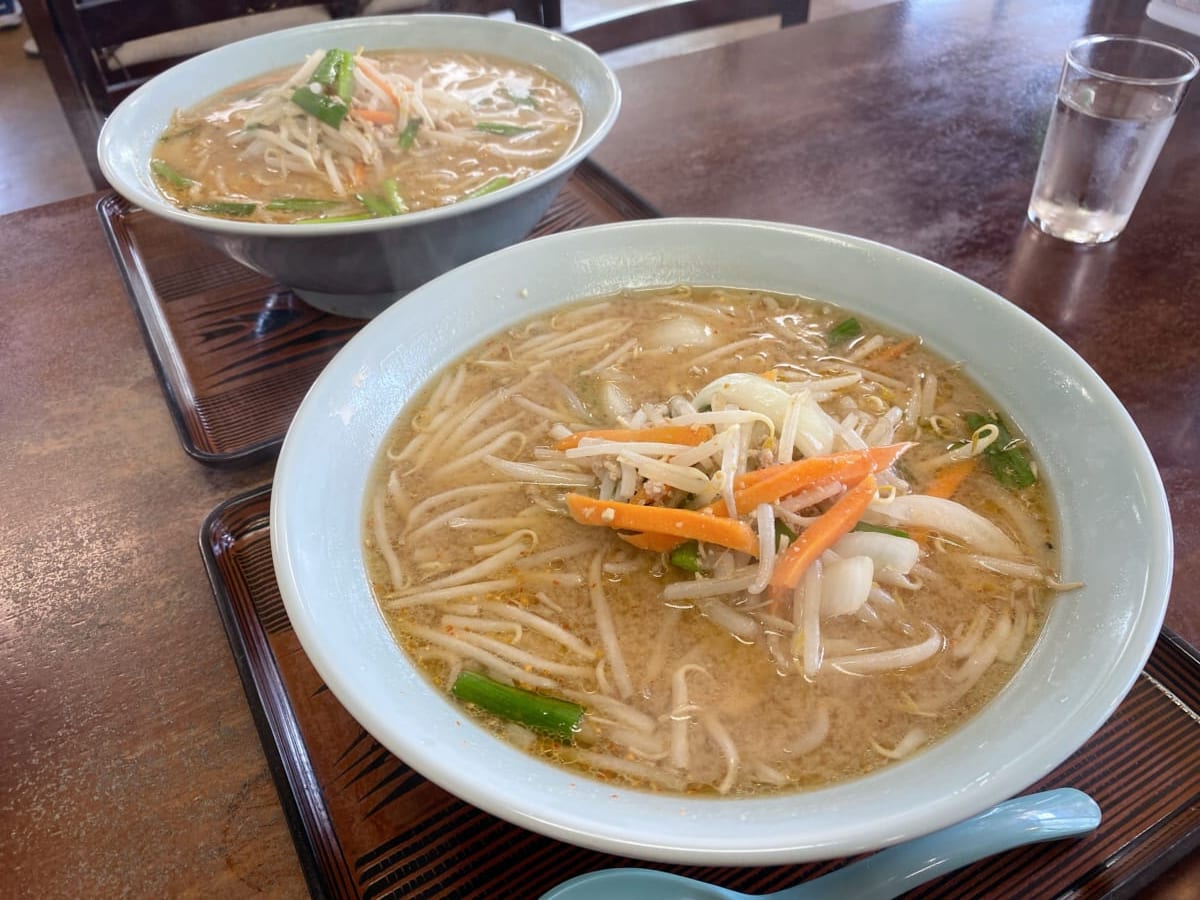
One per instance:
(357,135)
(712,541)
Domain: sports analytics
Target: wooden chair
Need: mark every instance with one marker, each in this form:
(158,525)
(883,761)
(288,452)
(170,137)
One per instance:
(97,52)
(666,19)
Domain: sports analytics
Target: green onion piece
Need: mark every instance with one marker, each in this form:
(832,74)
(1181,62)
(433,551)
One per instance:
(329,220)
(527,100)
(335,71)
(344,83)
(224,209)
(880,529)
(556,717)
(301,204)
(781,531)
(1007,460)
(373,204)
(686,556)
(502,128)
(329,110)
(177,134)
(495,184)
(409,134)
(391,196)
(326,71)
(169,175)
(843,331)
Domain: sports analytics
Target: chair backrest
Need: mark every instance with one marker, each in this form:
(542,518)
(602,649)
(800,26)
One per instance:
(654,21)
(97,53)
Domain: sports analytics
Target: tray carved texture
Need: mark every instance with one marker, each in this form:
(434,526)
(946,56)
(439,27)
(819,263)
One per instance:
(236,352)
(367,826)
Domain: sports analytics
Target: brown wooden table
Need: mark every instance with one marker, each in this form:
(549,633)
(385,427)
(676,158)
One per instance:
(129,764)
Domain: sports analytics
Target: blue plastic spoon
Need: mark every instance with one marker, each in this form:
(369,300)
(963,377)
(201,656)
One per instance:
(1047,816)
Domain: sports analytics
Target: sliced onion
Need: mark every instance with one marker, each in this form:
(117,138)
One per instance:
(680,331)
(950,518)
(895,579)
(616,404)
(887,551)
(845,585)
(749,392)
(814,428)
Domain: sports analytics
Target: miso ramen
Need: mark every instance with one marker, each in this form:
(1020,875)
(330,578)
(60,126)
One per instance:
(350,136)
(711,541)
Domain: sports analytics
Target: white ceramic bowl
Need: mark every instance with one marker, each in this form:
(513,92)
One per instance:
(1115,536)
(359,268)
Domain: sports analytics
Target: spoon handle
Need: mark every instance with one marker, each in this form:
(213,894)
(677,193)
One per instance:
(1047,816)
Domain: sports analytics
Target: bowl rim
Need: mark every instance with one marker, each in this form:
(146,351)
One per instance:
(159,205)
(574,825)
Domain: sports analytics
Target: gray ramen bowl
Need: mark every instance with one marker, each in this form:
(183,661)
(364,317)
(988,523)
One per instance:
(359,268)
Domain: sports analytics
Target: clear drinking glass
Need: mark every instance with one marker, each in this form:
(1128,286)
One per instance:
(1117,100)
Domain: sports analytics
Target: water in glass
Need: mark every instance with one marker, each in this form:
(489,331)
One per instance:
(1102,142)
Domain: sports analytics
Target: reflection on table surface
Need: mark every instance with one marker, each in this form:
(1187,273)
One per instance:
(131,761)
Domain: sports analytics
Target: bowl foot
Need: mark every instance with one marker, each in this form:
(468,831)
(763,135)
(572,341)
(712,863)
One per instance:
(352,306)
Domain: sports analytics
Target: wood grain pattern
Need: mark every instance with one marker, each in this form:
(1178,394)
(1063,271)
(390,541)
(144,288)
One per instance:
(235,351)
(368,826)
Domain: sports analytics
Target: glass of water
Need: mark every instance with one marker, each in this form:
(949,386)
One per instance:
(1117,100)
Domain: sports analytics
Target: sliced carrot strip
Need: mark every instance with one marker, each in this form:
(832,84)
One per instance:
(882,456)
(692,435)
(378,116)
(944,484)
(663,520)
(775,482)
(373,74)
(890,352)
(659,543)
(748,478)
(950,477)
(820,536)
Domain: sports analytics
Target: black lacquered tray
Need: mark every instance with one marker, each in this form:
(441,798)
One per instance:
(367,826)
(236,352)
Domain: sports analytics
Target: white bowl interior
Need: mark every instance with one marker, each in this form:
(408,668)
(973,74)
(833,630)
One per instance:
(1115,536)
(128,136)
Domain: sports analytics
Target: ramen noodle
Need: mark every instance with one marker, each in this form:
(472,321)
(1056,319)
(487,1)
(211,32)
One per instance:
(350,136)
(711,541)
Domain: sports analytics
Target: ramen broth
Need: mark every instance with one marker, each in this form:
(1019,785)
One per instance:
(696,670)
(369,134)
